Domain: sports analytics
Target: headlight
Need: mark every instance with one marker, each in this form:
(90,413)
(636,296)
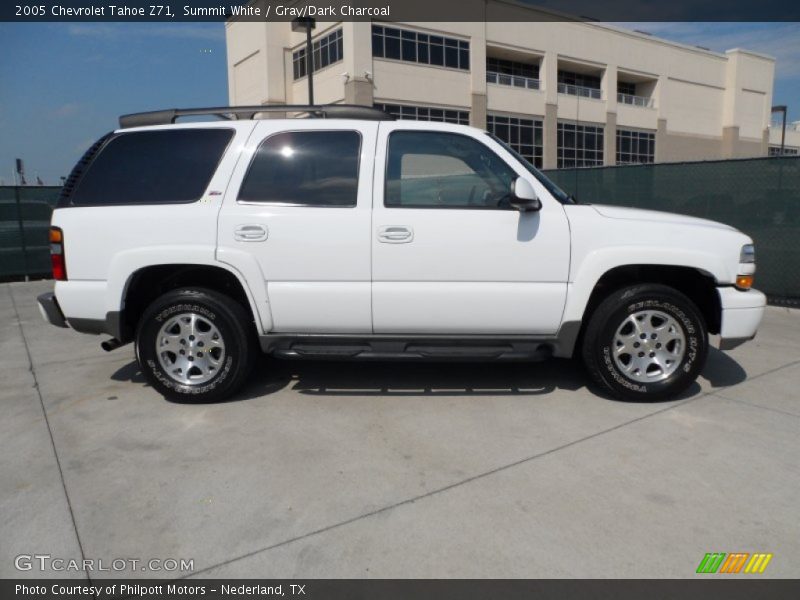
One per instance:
(748,254)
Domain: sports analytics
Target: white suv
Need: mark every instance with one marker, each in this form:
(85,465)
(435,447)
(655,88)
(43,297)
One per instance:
(351,235)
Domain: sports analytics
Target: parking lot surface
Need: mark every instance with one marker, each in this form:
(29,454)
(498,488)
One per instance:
(325,469)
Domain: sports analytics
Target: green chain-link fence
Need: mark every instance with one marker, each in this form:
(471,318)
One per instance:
(760,197)
(24,221)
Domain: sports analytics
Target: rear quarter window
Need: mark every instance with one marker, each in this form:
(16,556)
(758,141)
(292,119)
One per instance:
(152,167)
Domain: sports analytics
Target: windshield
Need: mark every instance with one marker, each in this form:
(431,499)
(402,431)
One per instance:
(551,187)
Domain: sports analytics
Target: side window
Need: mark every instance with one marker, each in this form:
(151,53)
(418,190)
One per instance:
(431,169)
(305,168)
(153,167)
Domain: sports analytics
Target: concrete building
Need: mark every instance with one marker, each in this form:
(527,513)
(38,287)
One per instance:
(791,139)
(563,93)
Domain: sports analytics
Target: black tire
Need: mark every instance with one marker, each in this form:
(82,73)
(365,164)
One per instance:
(610,316)
(219,315)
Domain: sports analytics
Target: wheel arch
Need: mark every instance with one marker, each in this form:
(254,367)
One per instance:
(147,283)
(698,285)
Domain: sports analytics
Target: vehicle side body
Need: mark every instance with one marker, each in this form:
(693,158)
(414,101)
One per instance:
(378,280)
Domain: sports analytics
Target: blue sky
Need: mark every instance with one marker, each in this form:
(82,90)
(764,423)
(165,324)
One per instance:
(63,85)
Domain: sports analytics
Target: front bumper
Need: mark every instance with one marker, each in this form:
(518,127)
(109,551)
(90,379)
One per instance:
(51,311)
(741,315)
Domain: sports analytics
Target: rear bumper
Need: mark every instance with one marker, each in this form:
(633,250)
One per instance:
(51,311)
(741,315)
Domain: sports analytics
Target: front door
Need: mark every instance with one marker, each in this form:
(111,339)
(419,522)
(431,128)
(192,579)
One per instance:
(450,256)
(299,204)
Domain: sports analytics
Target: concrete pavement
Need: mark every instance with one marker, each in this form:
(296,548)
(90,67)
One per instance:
(394,470)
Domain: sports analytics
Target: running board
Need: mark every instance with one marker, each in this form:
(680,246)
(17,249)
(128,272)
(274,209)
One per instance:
(320,347)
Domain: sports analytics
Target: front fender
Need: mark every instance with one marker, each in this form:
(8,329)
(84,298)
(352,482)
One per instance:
(597,263)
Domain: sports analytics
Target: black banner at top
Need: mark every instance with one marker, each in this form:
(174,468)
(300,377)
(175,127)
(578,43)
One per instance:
(399,10)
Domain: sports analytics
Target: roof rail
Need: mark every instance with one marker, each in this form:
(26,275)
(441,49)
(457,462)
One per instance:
(326,111)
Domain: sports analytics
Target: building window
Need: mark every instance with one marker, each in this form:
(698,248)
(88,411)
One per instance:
(626,94)
(579,79)
(579,84)
(776,151)
(635,147)
(512,67)
(410,46)
(579,145)
(623,87)
(326,51)
(305,168)
(426,113)
(523,135)
(509,72)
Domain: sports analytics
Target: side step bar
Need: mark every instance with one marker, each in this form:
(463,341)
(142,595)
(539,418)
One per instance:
(386,347)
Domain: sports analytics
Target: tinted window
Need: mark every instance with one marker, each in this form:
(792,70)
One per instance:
(153,167)
(325,51)
(377,41)
(310,168)
(445,170)
(402,44)
(392,43)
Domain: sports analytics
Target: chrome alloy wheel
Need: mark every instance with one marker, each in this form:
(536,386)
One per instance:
(190,348)
(648,346)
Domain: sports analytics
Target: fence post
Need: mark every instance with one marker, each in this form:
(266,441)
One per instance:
(21,232)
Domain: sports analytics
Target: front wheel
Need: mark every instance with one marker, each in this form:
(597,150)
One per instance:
(195,345)
(645,342)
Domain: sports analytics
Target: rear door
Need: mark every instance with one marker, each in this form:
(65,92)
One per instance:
(299,205)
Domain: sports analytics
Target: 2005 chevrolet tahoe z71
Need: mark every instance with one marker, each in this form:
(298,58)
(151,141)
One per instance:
(349,234)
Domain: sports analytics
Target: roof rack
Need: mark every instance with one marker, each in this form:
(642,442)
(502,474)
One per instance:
(326,111)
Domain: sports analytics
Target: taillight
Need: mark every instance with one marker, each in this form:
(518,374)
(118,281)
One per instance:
(57,254)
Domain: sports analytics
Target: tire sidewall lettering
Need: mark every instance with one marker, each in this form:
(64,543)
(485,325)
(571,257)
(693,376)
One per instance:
(612,370)
(177,308)
(170,383)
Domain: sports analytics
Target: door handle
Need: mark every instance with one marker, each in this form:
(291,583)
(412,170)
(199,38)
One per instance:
(395,234)
(250,233)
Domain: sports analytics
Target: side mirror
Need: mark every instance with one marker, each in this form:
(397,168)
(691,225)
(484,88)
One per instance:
(523,196)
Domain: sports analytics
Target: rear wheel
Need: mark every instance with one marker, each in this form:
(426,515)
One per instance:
(645,342)
(195,345)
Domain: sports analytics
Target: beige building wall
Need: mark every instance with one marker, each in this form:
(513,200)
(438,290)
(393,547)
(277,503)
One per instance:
(699,104)
(791,138)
